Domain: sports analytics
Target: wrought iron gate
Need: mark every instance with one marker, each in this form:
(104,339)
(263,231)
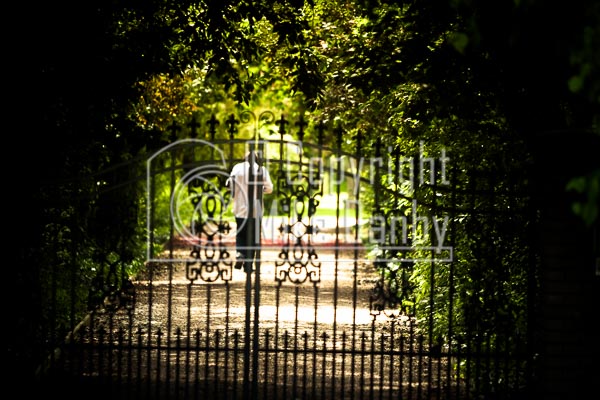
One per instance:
(329,309)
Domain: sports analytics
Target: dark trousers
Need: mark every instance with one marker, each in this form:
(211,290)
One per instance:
(247,239)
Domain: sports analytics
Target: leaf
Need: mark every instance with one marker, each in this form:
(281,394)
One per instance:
(460,41)
(575,83)
(589,185)
(578,184)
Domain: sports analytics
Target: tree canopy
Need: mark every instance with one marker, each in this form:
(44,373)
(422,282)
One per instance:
(99,82)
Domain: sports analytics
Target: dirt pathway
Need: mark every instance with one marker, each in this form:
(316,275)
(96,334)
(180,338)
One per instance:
(337,298)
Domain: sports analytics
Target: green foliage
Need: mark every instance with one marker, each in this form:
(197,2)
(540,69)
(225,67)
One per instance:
(473,78)
(589,187)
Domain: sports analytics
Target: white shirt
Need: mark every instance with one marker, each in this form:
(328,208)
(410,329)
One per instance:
(240,178)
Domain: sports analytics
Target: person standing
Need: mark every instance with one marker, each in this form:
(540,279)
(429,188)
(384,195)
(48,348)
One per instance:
(248,181)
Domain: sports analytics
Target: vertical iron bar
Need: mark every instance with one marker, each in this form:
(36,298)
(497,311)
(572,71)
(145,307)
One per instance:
(150,211)
(227,355)
(120,345)
(256,333)
(355,262)
(382,365)
(343,368)
(305,365)
(372,362)
(363,350)
(170,286)
(402,355)
(236,339)
(246,349)
(217,384)
(139,362)
(178,349)
(285,362)
(266,364)
(207,339)
(130,351)
(320,135)
(324,366)
(72,292)
(295,355)
(478,361)
(111,323)
(469,335)
(468,359)
(420,369)
(196,363)
(276,340)
(314,352)
(150,251)
(158,363)
(391,372)
(248,297)
(458,369)
(256,194)
(101,345)
(432,288)
(149,341)
(411,356)
(188,333)
(281,179)
(452,237)
(338,132)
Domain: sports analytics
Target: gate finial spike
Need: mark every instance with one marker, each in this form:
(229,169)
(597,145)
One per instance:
(174,128)
(194,125)
(338,132)
(301,124)
(281,123)
(212,124)
(358,143)
(321,132)
(232,125)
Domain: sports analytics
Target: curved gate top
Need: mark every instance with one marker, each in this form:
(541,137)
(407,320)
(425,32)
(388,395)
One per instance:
(307,209)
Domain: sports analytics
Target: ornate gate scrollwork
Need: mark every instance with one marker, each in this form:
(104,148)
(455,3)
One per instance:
(204,187)
(298,193)
(392,294)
